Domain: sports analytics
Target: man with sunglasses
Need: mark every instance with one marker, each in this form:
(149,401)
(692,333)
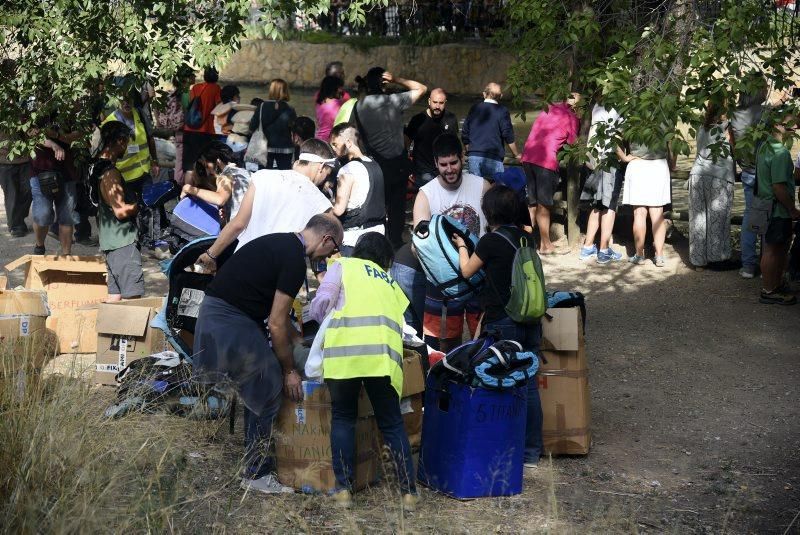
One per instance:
(257,285)
(278,200)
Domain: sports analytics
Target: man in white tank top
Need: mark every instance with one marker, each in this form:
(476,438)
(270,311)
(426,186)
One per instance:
(278,201)
(458,195)
(453,192)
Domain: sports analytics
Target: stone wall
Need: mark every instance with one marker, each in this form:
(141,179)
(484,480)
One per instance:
(458,68)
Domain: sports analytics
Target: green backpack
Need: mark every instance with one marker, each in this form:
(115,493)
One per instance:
(528,300)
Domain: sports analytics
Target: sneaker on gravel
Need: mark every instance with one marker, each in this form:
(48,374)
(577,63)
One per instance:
(38,249)
(659,261)
(636,259)
(588,252)
(777,297)
(343,498)
(747,272)
(268,484)
(410,502)
(608,255)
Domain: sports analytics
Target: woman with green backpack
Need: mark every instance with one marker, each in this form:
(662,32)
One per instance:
(513,298)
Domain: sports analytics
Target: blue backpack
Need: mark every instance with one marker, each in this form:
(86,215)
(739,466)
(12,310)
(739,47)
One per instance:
(439,256)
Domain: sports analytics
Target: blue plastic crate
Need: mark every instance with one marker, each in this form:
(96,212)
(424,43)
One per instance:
(473,440)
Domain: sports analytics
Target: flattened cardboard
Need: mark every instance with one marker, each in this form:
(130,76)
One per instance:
(303,443)
(564,390)
(71,283)
(25,341)
(563,330)
(124,335)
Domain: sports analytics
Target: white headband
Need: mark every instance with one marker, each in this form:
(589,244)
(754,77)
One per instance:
(313,158)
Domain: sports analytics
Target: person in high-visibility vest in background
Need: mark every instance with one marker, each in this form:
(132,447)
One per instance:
(139,165)
(364,345)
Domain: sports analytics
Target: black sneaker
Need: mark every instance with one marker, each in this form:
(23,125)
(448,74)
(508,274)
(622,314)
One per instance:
(38,249)
(89,241)
(777,297)
(19,233)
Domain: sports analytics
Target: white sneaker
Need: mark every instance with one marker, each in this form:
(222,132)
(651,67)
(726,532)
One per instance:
(268,484)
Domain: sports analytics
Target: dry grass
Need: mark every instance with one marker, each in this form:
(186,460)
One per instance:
(67,469)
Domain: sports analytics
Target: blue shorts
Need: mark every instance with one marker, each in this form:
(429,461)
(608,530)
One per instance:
(42,208)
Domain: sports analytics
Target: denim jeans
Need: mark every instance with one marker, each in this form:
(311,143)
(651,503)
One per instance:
(259,460)
(530,337)
(484,167)
(749,239)
(344,412)
(412,282)
(43,211)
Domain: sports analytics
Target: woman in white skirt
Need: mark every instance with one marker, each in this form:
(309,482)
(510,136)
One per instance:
(647,189)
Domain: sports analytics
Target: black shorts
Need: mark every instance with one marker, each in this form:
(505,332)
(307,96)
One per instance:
(542,184)
(779,231)
(194,143)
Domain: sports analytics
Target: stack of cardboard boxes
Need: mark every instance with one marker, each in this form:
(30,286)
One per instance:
(303,445)
(25,341)
(564,383)
(74,286)
(67,295)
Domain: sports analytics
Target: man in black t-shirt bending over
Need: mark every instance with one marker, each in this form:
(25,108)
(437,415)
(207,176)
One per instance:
(258,284)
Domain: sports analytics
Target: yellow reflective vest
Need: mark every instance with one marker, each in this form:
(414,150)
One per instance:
(137,160)
(365,337)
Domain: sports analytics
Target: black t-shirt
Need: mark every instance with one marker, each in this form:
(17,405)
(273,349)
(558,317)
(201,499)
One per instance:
(405,256)
(498,258)
(422,130)
(250,278)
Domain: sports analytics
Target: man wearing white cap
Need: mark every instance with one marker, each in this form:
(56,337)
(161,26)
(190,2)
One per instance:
(278,200)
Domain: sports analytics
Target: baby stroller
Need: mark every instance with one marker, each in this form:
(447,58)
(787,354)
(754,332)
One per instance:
(186,291)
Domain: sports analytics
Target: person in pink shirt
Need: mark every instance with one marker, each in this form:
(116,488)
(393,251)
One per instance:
(552,129)
(329,100)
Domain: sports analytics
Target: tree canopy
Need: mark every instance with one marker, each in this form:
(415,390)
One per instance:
(56,54)
(657,62)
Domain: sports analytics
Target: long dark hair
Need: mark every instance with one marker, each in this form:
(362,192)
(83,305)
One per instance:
(329,88)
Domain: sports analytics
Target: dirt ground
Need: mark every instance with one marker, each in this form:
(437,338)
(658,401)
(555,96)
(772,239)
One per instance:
(695,418)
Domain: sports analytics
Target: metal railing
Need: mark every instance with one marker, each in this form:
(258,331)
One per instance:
(472,19)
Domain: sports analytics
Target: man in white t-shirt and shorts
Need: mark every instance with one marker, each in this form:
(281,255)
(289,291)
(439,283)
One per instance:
(278,200)
(359,202)
(458,195)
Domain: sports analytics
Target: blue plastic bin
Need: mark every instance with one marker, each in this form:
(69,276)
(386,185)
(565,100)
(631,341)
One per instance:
(473,440)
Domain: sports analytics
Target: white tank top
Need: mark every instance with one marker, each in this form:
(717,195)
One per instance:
(463,204)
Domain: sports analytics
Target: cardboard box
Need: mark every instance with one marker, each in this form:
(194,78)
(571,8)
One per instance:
(412,401)
(564,384)
(25,342)
(124,335)
(303,443)
(71,283)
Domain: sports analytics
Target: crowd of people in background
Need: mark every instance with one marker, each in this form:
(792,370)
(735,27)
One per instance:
(220,142)
(286,188)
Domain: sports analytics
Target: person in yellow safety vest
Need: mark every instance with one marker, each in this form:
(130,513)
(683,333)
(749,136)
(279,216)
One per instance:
(364,346)
(139,164)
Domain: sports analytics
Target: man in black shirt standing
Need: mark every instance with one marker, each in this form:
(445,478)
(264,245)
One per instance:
(258,284)
(422,129)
